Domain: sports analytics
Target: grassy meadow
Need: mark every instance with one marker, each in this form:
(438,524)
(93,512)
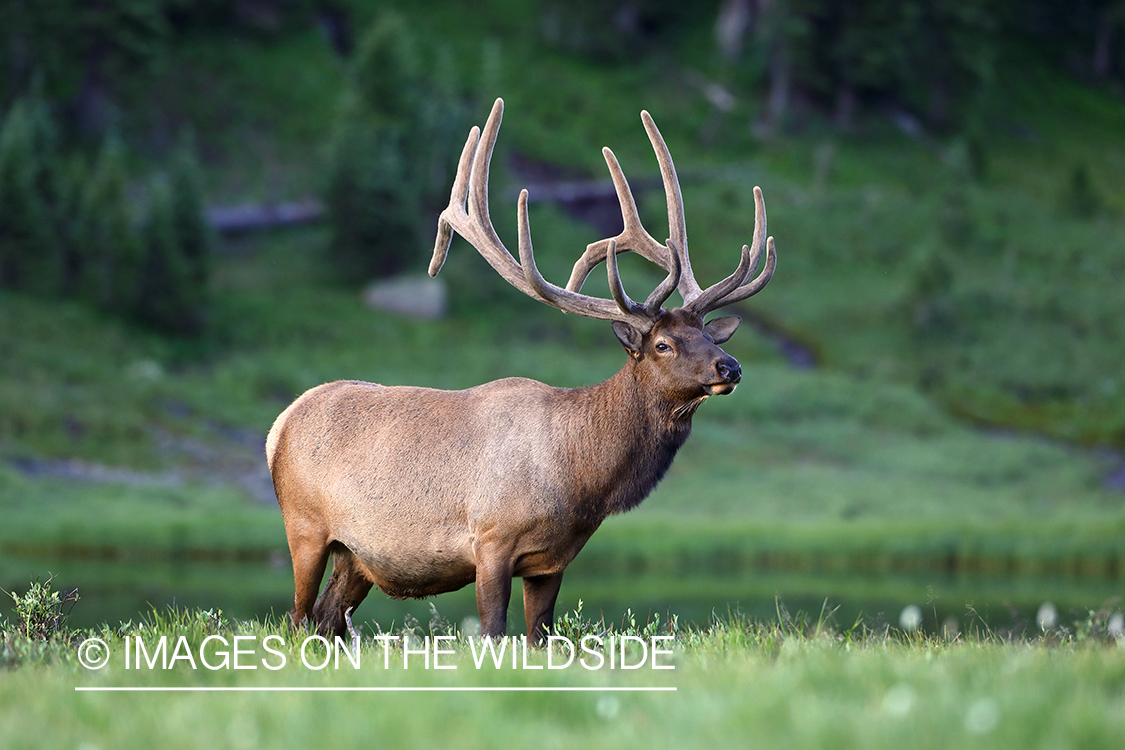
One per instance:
(931,414)
(800,683)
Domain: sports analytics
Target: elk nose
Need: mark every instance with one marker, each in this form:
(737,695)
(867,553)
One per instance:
(729,371)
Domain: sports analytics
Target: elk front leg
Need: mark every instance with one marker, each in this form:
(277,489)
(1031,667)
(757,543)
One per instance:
(494,590)
(539,595)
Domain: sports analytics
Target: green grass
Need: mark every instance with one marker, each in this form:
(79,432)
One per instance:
(798,683)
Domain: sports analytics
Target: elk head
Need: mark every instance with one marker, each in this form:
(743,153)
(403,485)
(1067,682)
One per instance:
(673,347)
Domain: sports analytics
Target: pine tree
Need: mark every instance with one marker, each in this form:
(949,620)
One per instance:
(171,291)
(372,202)
(32,247)
(162,272)
(194,234)
(393,151)
(110,248)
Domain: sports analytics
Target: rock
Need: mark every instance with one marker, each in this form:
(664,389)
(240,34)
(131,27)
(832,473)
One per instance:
(410,296)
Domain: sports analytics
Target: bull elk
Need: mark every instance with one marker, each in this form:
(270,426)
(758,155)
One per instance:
(421,491)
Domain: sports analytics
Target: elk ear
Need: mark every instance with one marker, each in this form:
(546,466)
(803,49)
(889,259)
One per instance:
(721,329)
(629,337)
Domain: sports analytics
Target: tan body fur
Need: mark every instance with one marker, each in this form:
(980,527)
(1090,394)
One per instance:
(382,479)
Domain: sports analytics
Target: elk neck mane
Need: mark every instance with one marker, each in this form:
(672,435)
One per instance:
(637,437)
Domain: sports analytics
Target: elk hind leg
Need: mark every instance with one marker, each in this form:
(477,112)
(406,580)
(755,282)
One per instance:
(539,596)
(310,558)
(346,588)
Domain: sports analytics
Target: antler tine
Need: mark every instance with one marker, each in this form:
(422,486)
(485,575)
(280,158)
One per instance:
(661,293)
(632,237)
(703,303)
(755,286)
(467,212)
(758,240)
(735,287)
(677,226)
(486,241)
(616,288)
(621,308)
(457,198)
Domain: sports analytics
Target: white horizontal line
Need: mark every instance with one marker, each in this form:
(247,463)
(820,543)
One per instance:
(381,689)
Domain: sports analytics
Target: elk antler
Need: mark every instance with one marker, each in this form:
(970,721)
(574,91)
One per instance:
(467,214)
(734,288)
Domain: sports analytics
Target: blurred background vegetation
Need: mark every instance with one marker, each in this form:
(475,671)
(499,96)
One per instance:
(934,377)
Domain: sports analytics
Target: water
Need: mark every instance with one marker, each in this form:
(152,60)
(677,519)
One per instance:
(119,591)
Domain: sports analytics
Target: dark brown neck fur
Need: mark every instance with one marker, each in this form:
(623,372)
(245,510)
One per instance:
(630,434)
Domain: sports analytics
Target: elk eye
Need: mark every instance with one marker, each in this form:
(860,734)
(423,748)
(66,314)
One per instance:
(662,347)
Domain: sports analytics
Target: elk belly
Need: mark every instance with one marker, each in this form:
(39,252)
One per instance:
(417,574)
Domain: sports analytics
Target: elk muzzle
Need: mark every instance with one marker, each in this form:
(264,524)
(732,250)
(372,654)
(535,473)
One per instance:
(729,373)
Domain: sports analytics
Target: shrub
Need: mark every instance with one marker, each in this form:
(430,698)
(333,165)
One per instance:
(171,291)
(41,612)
